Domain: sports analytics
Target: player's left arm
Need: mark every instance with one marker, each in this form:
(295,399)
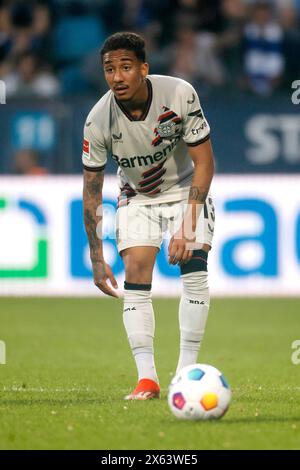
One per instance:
(184,241)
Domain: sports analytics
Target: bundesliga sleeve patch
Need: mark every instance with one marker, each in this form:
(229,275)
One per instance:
(86,148)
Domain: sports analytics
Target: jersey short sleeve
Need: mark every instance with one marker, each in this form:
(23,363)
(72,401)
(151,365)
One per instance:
(94,152)
(196,129)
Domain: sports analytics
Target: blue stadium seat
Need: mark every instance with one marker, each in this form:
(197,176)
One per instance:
(74,37)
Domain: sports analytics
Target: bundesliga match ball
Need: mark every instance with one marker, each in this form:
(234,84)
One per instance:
(199,391)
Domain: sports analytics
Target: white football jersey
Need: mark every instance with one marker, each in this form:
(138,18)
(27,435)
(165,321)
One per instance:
(151,153)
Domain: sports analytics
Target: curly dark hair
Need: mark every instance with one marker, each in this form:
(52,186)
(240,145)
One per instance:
(125,40)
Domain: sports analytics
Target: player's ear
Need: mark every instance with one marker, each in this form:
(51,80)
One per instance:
(145,69)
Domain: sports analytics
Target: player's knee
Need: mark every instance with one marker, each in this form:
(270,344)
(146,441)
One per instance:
(138,272)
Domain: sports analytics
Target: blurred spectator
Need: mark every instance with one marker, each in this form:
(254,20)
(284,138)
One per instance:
(206,14)
(42,26)
(228,41)
(21,20)
(263,50)
(4,31)
(27,163)
(24,26)
(289,19)
(234,9)
(152,34)
(30,79)
(208,42)
(194,57)
(137,14)
(183,54)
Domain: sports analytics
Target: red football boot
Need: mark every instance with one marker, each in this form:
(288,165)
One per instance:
(145,389)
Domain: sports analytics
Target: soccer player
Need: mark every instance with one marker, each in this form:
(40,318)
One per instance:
(154,129)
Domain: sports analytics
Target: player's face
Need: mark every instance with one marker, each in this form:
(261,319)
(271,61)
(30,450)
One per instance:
(124,73)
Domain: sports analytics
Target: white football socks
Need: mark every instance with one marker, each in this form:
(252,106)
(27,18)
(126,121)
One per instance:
(193,312)
(139,322)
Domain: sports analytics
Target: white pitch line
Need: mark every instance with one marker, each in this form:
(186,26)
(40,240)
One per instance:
(47,390)
(59,390)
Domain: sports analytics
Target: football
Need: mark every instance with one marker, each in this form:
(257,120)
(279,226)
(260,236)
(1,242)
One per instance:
(199,392)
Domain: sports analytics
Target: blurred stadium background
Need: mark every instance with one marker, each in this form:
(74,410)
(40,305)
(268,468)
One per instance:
(241,55)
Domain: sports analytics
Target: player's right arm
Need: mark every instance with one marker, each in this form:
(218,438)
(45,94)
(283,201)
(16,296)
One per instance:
(94,157)
(92,207)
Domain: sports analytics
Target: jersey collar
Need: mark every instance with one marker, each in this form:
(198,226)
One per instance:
(148,104)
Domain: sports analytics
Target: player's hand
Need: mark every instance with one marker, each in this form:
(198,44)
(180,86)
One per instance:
(180,251)
(102,272)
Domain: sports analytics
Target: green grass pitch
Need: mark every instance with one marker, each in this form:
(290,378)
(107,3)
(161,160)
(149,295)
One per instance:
(69,366)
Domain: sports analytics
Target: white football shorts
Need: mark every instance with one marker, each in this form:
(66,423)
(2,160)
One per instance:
(138,225)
